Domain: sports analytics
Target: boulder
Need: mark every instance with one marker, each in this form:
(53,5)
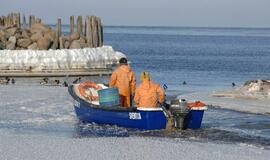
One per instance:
(2,46)
(25,34)
(2,33)
(83,43)
(11,32)
(3,40)
(44,43)
(39,27)
(65,38)
(66,44)
(82,40)
(50,35)
(74,36)
(18,35)
(75,45)
(33,46)
(19,48)
(24,43)
(12,39)
(36,36)
(10,45)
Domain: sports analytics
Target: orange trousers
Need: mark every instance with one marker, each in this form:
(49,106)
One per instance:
(125,101)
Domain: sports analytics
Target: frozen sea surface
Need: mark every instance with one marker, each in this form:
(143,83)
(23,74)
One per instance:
(38,122)
(20,147)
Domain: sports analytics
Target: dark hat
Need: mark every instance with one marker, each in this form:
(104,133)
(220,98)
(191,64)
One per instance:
(123,60)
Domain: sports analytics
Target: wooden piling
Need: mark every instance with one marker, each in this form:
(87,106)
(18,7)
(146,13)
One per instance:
(31,21)
(24,22)
(79,25)
(1,21)
(99,30)
(58,33)
(89,39)
(59,27)
(94,31)
(17,20)
(71,24)
(5,21)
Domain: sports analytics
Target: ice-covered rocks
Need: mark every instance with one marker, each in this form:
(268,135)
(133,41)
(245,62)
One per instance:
(253,89)
(64,59)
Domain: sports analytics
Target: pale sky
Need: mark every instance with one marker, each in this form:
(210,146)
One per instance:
(199,13)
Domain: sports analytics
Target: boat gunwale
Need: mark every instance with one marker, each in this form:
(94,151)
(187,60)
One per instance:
(93,106)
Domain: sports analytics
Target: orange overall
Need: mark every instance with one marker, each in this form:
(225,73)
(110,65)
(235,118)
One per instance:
(124,79)
(148,94)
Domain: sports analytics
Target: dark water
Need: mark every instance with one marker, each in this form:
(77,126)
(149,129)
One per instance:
(207,59)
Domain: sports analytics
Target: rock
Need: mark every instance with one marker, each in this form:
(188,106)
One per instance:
(24,42)
(36,36)
(75,45)
(39,27)
(74,36)
(82,40)
(33,46)
(3,40)
(25,34)
(2,33)
(19,48)
(54,45)
(84,45)
(10,45)
(65,38)
(12,39)
(11,32)
(50,35)
(66,44)
(2,46)
(18,36)
(44,43)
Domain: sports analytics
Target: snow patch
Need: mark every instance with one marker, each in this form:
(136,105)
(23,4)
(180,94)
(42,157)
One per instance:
(64,59)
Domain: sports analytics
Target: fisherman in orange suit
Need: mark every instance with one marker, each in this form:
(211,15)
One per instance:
(124,79)
(148,94)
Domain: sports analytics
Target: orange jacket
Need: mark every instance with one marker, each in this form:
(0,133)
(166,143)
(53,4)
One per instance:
(148,94)
(124,79)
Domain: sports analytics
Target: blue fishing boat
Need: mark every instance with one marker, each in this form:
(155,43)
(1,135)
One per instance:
(132,117)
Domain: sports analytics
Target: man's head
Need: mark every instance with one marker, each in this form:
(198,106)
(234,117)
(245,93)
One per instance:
(123,61)
(145,76)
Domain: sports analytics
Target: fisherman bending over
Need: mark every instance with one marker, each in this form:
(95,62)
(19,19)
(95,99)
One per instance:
(148,94)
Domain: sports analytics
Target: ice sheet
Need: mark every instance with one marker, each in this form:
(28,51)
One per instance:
(49,148)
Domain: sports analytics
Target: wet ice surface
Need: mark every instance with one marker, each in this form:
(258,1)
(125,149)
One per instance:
(43,117)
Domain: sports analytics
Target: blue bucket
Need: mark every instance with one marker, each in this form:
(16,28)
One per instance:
(108,97)
(194,119)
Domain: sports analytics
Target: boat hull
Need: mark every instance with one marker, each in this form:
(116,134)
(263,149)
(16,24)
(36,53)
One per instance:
(153,119)
(145,120)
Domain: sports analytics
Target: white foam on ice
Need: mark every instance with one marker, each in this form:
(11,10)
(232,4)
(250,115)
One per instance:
(62,59)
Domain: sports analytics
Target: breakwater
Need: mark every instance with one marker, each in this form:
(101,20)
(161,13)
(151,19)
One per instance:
(17,34)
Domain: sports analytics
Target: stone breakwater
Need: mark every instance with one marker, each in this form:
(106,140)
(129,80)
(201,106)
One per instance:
(37,36)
